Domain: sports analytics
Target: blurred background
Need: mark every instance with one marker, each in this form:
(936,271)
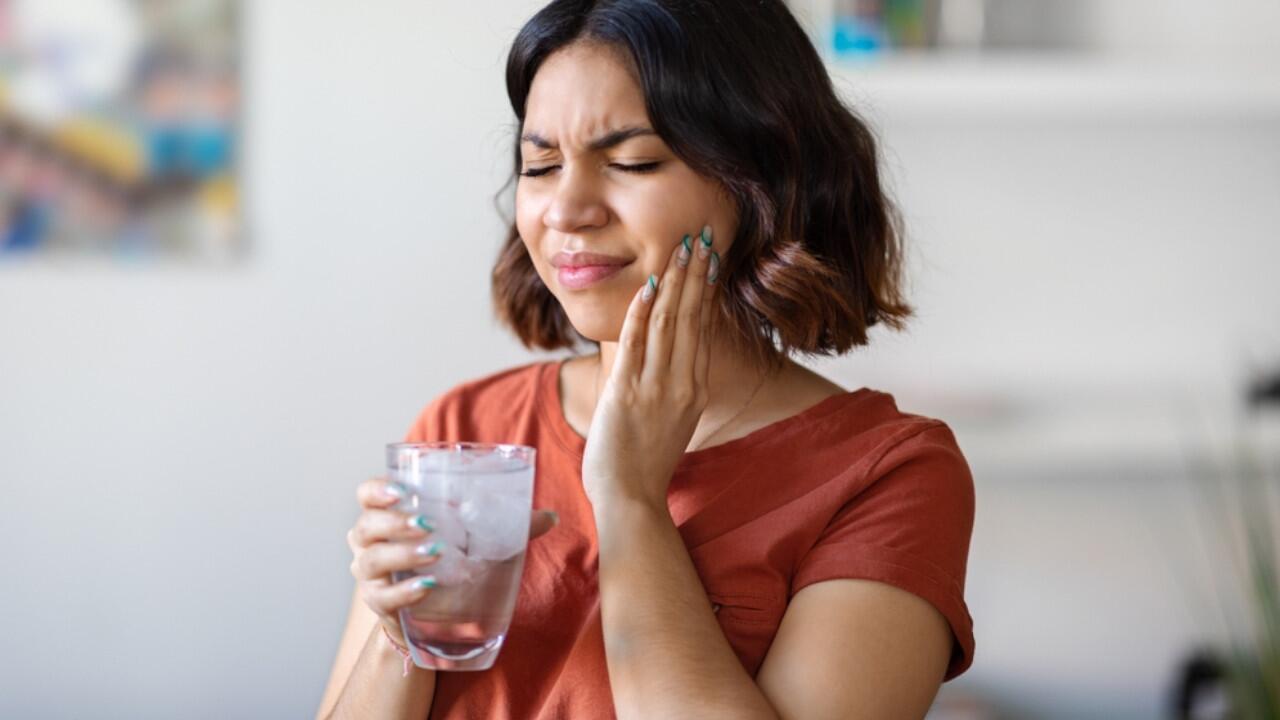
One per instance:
(117,127)
(1092,201)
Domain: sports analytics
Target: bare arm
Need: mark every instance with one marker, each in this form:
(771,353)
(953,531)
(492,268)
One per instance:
(847,649)
(856,650)
(366,677)
(666,654)
(366,680)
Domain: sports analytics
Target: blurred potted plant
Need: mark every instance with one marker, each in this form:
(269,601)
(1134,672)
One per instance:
(1240,504)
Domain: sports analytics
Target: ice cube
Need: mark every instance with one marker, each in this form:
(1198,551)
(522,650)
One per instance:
(444,518)
(451,568)
(497,524)
(429,484)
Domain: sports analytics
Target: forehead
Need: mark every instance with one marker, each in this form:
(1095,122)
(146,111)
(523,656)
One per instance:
(581,91)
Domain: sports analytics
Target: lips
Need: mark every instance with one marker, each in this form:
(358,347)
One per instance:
(576,271)
(577,277)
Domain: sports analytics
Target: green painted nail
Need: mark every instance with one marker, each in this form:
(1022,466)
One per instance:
(688,244)
(706,236)
(431,550)
(714,272)
(426,582)
(421,522)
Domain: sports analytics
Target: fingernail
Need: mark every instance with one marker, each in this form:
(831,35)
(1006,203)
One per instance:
(650,288)
(430,549)
(420,522)
(714,271)
(686,252)
(426,582)
(393,490)
(555,517)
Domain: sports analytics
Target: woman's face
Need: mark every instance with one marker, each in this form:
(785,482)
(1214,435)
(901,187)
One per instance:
(626,196)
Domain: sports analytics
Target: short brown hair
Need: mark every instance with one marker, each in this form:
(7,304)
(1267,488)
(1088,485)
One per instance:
(742,96)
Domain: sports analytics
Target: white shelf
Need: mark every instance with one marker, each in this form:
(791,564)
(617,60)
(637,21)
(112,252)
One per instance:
(1160,442)
(941,86)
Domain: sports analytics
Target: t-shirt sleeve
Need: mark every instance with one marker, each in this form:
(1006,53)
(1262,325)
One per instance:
(909,526)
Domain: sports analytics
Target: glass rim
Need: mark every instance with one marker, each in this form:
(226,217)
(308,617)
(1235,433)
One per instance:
(460,445)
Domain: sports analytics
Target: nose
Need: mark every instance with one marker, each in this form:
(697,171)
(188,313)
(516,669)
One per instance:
(576,203)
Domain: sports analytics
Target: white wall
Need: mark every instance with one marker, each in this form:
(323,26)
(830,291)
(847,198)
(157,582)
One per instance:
(179,446)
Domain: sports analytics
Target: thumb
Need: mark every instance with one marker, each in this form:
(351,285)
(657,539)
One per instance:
(541,522)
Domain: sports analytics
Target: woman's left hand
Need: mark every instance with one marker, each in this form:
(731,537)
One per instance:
(657,388)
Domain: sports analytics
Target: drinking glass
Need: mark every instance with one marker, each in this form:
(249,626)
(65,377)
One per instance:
(477,497)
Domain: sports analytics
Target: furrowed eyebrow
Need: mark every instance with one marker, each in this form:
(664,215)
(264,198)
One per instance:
(604,142)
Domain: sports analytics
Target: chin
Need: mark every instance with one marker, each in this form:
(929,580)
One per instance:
(600,327)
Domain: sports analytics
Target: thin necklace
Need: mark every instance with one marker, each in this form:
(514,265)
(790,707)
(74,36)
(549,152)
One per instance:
(719,427)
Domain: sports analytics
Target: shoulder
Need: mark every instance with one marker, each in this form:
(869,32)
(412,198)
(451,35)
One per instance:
(864,432)
(469,407)
(900,512)
(875,463)
(914,453)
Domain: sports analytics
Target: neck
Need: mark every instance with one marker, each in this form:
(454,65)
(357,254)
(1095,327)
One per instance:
(732,380)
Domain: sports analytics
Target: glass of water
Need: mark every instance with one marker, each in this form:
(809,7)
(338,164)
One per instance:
(478,498)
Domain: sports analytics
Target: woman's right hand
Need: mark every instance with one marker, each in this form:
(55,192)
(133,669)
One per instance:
(384,541)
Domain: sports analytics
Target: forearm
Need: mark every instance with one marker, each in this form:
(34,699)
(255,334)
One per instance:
(666,654)
(376,687)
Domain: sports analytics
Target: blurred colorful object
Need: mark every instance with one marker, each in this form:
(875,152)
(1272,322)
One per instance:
(863,27)
(118,127)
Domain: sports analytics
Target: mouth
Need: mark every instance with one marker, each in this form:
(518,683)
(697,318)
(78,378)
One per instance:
(578,277)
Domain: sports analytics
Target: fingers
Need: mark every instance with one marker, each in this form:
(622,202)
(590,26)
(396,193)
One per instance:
(663,335)
(542,522)
(387,600)
(702,361)
(689,337)
(382,559)
(631,340)
(379,493)
(665,317)
(711,281)
(382,525)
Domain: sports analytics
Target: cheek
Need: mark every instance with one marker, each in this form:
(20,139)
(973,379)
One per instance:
(682,203)
(529,225)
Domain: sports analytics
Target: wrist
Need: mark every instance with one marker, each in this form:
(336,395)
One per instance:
(617,505)
(621,522)
(393,648)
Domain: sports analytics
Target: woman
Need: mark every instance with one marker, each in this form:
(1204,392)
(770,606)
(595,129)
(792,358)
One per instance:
(738,537)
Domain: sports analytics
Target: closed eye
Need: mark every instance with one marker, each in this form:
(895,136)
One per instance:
(638,168)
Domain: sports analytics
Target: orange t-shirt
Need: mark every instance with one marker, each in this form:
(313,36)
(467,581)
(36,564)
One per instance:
(848,488)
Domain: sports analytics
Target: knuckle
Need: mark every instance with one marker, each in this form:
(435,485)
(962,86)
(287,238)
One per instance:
(367,490)
(364,565)
(664,320)
(372,600)
(683,395)
(633,341)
